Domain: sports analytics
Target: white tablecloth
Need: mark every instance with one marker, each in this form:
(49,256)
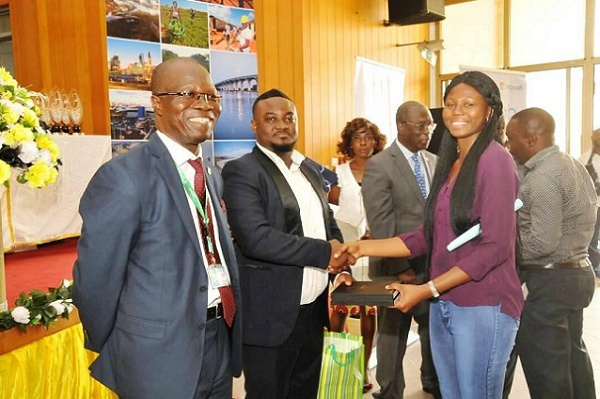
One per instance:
(35,216)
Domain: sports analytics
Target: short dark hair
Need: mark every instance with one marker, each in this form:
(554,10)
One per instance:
(345,145)
(272,93)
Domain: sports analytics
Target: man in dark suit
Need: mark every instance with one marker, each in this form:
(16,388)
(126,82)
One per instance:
(158,303)
(394,198)
(285,236)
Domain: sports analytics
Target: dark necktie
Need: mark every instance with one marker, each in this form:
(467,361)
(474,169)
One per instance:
(226,292)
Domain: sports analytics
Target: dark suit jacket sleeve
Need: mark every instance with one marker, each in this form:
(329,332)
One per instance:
(379,206)
(257,220)
(103,250)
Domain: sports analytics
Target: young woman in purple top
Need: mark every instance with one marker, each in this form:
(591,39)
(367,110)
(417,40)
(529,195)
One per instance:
(477,298)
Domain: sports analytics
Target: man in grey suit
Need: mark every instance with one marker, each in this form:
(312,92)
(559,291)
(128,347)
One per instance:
(156,278)
(394,189)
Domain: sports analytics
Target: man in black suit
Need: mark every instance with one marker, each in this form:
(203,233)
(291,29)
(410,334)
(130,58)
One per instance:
(285,236)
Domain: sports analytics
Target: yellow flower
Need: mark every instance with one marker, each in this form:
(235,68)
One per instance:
(6,95)
(8,115)
(45,142)
(7,78)
(18,134)
(38,175)
(4,172)
(22,137)
(30,119)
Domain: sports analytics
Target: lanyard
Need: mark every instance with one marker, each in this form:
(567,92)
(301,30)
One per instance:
(203,215)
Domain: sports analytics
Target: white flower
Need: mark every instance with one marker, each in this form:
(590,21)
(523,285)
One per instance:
(28,151)
(66,283)
(21,315)
(58,305)
(45,156)
(69,304)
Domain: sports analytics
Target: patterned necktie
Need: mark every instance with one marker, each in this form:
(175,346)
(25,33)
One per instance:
(419,174)
(226,292)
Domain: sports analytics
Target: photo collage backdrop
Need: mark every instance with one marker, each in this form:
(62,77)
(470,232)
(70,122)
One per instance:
(220,34)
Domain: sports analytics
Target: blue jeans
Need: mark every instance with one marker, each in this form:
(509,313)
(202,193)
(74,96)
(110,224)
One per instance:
(470,347)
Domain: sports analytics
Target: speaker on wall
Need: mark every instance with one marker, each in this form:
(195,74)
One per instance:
(411,12)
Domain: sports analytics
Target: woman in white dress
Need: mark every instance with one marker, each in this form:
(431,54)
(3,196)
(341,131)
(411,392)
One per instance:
(360,140)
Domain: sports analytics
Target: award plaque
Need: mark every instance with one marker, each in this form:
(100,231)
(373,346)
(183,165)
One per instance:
(369,293)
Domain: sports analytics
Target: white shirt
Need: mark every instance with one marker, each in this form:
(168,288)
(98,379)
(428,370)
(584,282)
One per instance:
(246,35)
(181,156)
(408,154)
(315,279)
(351,209)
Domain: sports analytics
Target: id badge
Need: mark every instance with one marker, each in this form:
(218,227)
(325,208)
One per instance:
(218,275)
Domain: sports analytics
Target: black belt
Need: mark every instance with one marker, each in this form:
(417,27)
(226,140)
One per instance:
(574,264)
(216,312)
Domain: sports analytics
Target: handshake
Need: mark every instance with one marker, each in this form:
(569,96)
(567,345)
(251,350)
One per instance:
(342,256)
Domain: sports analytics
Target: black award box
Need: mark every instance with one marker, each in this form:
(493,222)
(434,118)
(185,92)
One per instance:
(369,293)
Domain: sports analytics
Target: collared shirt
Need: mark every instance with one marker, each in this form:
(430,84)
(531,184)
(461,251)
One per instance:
(587,157)
(181,156)
(557,220)
(408,154)
(314,280)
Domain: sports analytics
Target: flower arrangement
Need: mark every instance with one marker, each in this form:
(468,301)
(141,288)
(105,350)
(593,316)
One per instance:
(39,308)
(24,144)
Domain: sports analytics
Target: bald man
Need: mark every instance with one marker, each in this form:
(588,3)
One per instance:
(156,278)
(555,223)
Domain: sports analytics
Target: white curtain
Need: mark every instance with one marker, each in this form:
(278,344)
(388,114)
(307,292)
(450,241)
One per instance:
(378,92)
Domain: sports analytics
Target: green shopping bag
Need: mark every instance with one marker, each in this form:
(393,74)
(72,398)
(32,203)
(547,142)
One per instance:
(342,372)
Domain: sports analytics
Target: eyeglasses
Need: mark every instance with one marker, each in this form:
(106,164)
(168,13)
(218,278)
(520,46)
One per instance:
(187,95)
(422,126)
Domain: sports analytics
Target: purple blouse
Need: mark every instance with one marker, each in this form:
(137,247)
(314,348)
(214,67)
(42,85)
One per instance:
(490,258)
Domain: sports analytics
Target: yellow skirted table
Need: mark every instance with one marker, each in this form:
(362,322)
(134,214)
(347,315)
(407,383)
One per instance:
(53,367)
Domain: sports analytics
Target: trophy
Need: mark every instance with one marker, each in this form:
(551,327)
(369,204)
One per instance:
(75,111)
(55,106)
(65,114)
(41,101)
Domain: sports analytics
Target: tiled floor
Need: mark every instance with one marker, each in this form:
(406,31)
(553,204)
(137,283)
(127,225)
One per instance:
(412,361)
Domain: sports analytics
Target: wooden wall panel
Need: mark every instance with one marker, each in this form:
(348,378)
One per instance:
(62,44)
(307,48)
